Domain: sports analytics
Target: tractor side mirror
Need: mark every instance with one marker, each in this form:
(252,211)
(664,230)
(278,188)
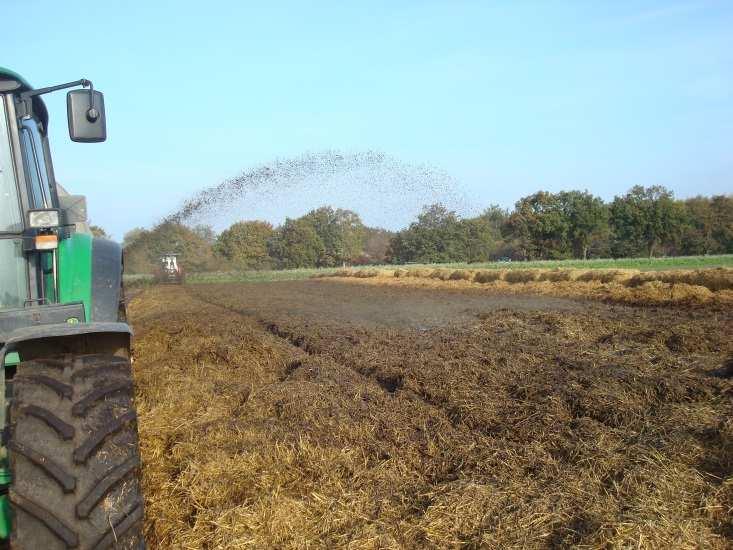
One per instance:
(85,110)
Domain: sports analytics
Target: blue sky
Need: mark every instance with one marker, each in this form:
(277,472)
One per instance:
(506,97)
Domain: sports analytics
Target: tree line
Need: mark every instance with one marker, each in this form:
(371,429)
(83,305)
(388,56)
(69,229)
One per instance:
(646,221)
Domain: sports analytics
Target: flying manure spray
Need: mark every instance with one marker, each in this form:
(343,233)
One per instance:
(371,182)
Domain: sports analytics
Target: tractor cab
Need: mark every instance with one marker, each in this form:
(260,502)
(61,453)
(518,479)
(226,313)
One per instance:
(38,219)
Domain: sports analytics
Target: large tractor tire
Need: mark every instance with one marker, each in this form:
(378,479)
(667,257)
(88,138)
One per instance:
(74,455)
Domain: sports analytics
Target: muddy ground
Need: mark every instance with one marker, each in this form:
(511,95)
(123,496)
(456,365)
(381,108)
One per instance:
(325,413)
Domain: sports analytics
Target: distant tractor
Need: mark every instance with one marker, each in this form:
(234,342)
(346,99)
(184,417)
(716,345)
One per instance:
(69,463)
(170,270)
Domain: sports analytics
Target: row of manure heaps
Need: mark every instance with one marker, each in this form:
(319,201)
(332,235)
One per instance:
(627,285)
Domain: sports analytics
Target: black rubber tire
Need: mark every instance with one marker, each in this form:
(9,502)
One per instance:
(74,455)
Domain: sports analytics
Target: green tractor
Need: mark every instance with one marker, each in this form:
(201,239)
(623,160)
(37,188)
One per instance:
(69,463)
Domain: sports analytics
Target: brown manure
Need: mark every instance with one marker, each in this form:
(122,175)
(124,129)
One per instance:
(628,286)
(292,427)
(557,275)
(712,279)
(488,275)
(521,275)
(607,275)
(442,274)
(365,273)
(461,275)
(419,272)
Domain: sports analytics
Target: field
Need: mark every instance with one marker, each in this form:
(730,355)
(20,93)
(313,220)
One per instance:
(373,413)
(642,264)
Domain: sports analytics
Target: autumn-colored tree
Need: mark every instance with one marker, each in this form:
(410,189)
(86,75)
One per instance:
(143,253)
(205,232)
(132,235)
(99,232)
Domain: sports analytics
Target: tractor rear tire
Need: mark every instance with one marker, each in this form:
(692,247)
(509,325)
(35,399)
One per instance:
(74,455)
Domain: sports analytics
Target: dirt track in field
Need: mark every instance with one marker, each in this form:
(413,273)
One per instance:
(323,413)
(373,306)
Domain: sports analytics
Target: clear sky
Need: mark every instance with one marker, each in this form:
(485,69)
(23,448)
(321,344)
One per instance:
(507,97)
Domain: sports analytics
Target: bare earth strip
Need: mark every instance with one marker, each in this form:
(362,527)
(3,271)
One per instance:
(331,413)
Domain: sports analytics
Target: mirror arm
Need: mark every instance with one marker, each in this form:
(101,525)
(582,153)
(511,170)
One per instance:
(40,91)
(92,113)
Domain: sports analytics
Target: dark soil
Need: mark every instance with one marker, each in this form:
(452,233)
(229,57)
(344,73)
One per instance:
(371,306)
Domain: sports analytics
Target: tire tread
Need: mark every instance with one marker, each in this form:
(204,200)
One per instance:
(48,518)
(83,439)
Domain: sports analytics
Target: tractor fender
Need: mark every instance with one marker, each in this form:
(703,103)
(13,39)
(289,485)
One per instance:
(106,280)
(64,335)
(91,273)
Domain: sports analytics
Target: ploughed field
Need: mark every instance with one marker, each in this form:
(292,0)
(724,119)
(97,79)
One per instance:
(331,412)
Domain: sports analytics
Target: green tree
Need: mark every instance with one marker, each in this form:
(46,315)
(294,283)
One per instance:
(722,207)
(644,220)
(296,244)
(698,226)
(483,238)
(244,244)
(587,218)
(341,232)
(437,236)
(708,227)
(540,227)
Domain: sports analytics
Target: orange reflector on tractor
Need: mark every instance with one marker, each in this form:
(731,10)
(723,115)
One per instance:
(47,242)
